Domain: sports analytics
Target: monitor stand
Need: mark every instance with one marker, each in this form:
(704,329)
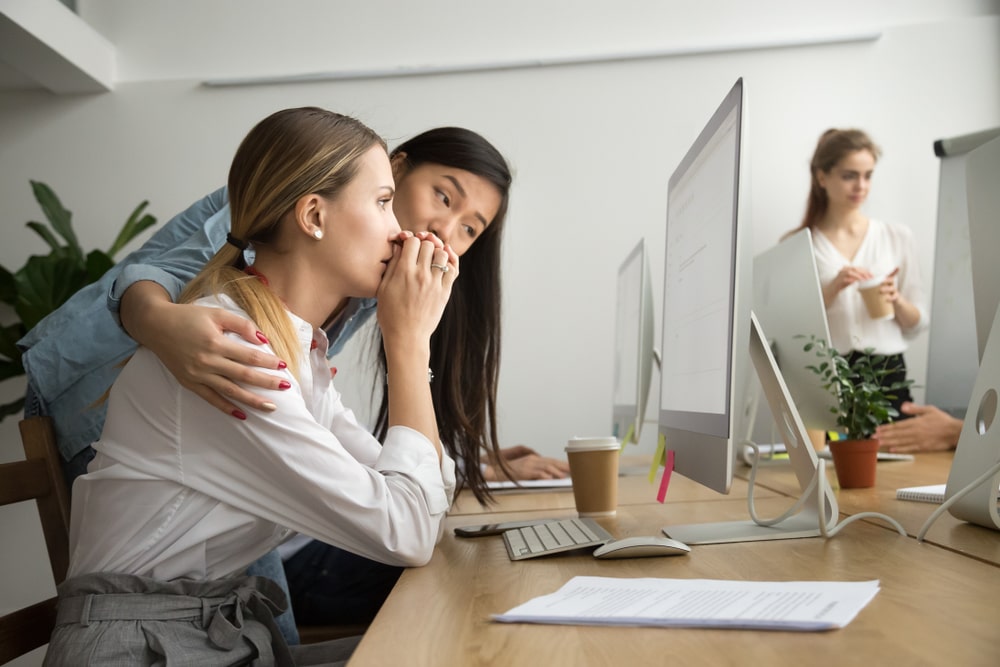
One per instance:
(801,455)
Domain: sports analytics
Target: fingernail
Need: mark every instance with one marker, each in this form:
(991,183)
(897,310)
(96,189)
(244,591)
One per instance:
(262,338)
(269,406)
(239,415)
(333,371)
(284,384)
(282,365)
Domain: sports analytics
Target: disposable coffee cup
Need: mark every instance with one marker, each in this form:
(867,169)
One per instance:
(879,308)
(593,466)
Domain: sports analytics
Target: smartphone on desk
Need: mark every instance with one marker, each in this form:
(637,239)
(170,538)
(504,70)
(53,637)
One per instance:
(484,529)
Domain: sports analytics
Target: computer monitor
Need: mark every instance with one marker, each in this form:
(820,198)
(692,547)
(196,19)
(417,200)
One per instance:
(707,325)
(979,443)
(634,352)
(953,347)
(706,301)
(982,167)
(788,303)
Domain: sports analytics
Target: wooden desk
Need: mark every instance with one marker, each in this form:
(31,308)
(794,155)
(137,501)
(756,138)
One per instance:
(930,468)
(632,490)
(935,606)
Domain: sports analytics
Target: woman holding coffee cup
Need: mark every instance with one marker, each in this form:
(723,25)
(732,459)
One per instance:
(868,269)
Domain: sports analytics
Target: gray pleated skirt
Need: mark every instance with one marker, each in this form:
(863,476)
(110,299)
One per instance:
(120,619)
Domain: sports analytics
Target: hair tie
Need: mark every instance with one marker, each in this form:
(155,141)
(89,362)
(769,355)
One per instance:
(239,243)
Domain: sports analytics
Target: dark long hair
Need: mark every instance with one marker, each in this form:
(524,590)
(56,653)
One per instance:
(465,347)
(833,145)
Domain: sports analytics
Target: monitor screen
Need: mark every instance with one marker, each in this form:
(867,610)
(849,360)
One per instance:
(706,301)
(788,303)
(633,345)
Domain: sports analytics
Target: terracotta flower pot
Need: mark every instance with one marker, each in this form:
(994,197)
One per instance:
(855,462)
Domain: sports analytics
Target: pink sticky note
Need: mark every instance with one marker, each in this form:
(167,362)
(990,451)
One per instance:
(668,467)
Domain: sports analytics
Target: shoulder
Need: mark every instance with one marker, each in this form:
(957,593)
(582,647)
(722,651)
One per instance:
(223,302)
(890,228)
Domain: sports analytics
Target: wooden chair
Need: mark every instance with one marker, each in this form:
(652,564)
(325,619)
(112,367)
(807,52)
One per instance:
(38,477)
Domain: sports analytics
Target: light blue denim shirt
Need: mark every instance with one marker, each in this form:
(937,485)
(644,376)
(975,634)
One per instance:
(73,355)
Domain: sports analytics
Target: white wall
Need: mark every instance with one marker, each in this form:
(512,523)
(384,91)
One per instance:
(592,145)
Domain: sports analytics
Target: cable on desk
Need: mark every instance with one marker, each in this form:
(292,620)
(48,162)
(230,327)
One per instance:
(793,510)
(826,529)
(955,498)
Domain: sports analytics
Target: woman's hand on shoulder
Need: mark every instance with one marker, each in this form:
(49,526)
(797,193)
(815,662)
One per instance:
(191,342)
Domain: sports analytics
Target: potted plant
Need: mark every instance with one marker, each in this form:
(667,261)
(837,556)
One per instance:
(45,282)
(864,401)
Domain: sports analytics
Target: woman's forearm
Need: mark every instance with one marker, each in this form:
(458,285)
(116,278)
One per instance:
(138,305)
(410,402)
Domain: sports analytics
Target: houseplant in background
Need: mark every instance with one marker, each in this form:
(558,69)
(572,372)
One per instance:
(864,402)
(45,282)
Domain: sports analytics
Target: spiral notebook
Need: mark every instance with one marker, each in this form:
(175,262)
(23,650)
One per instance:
(933,493)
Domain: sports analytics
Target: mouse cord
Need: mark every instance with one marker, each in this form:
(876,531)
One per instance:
(955,498)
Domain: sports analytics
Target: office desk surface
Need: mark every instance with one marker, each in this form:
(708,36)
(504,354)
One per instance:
(929,468)
(632,490)
(934,607)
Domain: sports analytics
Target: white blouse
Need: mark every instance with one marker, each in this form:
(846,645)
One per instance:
(179,489)
(883,248)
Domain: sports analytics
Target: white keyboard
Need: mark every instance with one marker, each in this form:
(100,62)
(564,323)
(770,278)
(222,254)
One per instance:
(554,537)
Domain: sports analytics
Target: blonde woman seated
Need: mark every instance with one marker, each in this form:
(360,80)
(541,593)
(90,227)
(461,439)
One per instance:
(181,497)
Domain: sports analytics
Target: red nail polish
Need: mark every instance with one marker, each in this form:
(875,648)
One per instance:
(262,338)
(314,345)
(282,365)
(284,384)
(239,415)
(333,371)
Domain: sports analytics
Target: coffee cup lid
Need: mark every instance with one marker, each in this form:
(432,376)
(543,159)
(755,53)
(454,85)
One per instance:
(582,444)
(871,282)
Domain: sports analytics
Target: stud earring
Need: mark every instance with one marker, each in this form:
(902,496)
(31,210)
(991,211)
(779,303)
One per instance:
(317,234)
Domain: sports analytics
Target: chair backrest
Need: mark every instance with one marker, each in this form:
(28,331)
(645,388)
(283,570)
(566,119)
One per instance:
(38,477)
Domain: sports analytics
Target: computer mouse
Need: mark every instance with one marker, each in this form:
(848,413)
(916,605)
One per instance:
(641,546)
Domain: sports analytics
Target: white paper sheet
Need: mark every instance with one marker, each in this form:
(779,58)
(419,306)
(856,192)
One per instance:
(710,603)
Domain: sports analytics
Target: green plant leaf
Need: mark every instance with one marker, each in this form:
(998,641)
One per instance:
(45,233)
(58,216)
(98,264)
(8,287)
(44,284)
(134,226)
(9,335)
